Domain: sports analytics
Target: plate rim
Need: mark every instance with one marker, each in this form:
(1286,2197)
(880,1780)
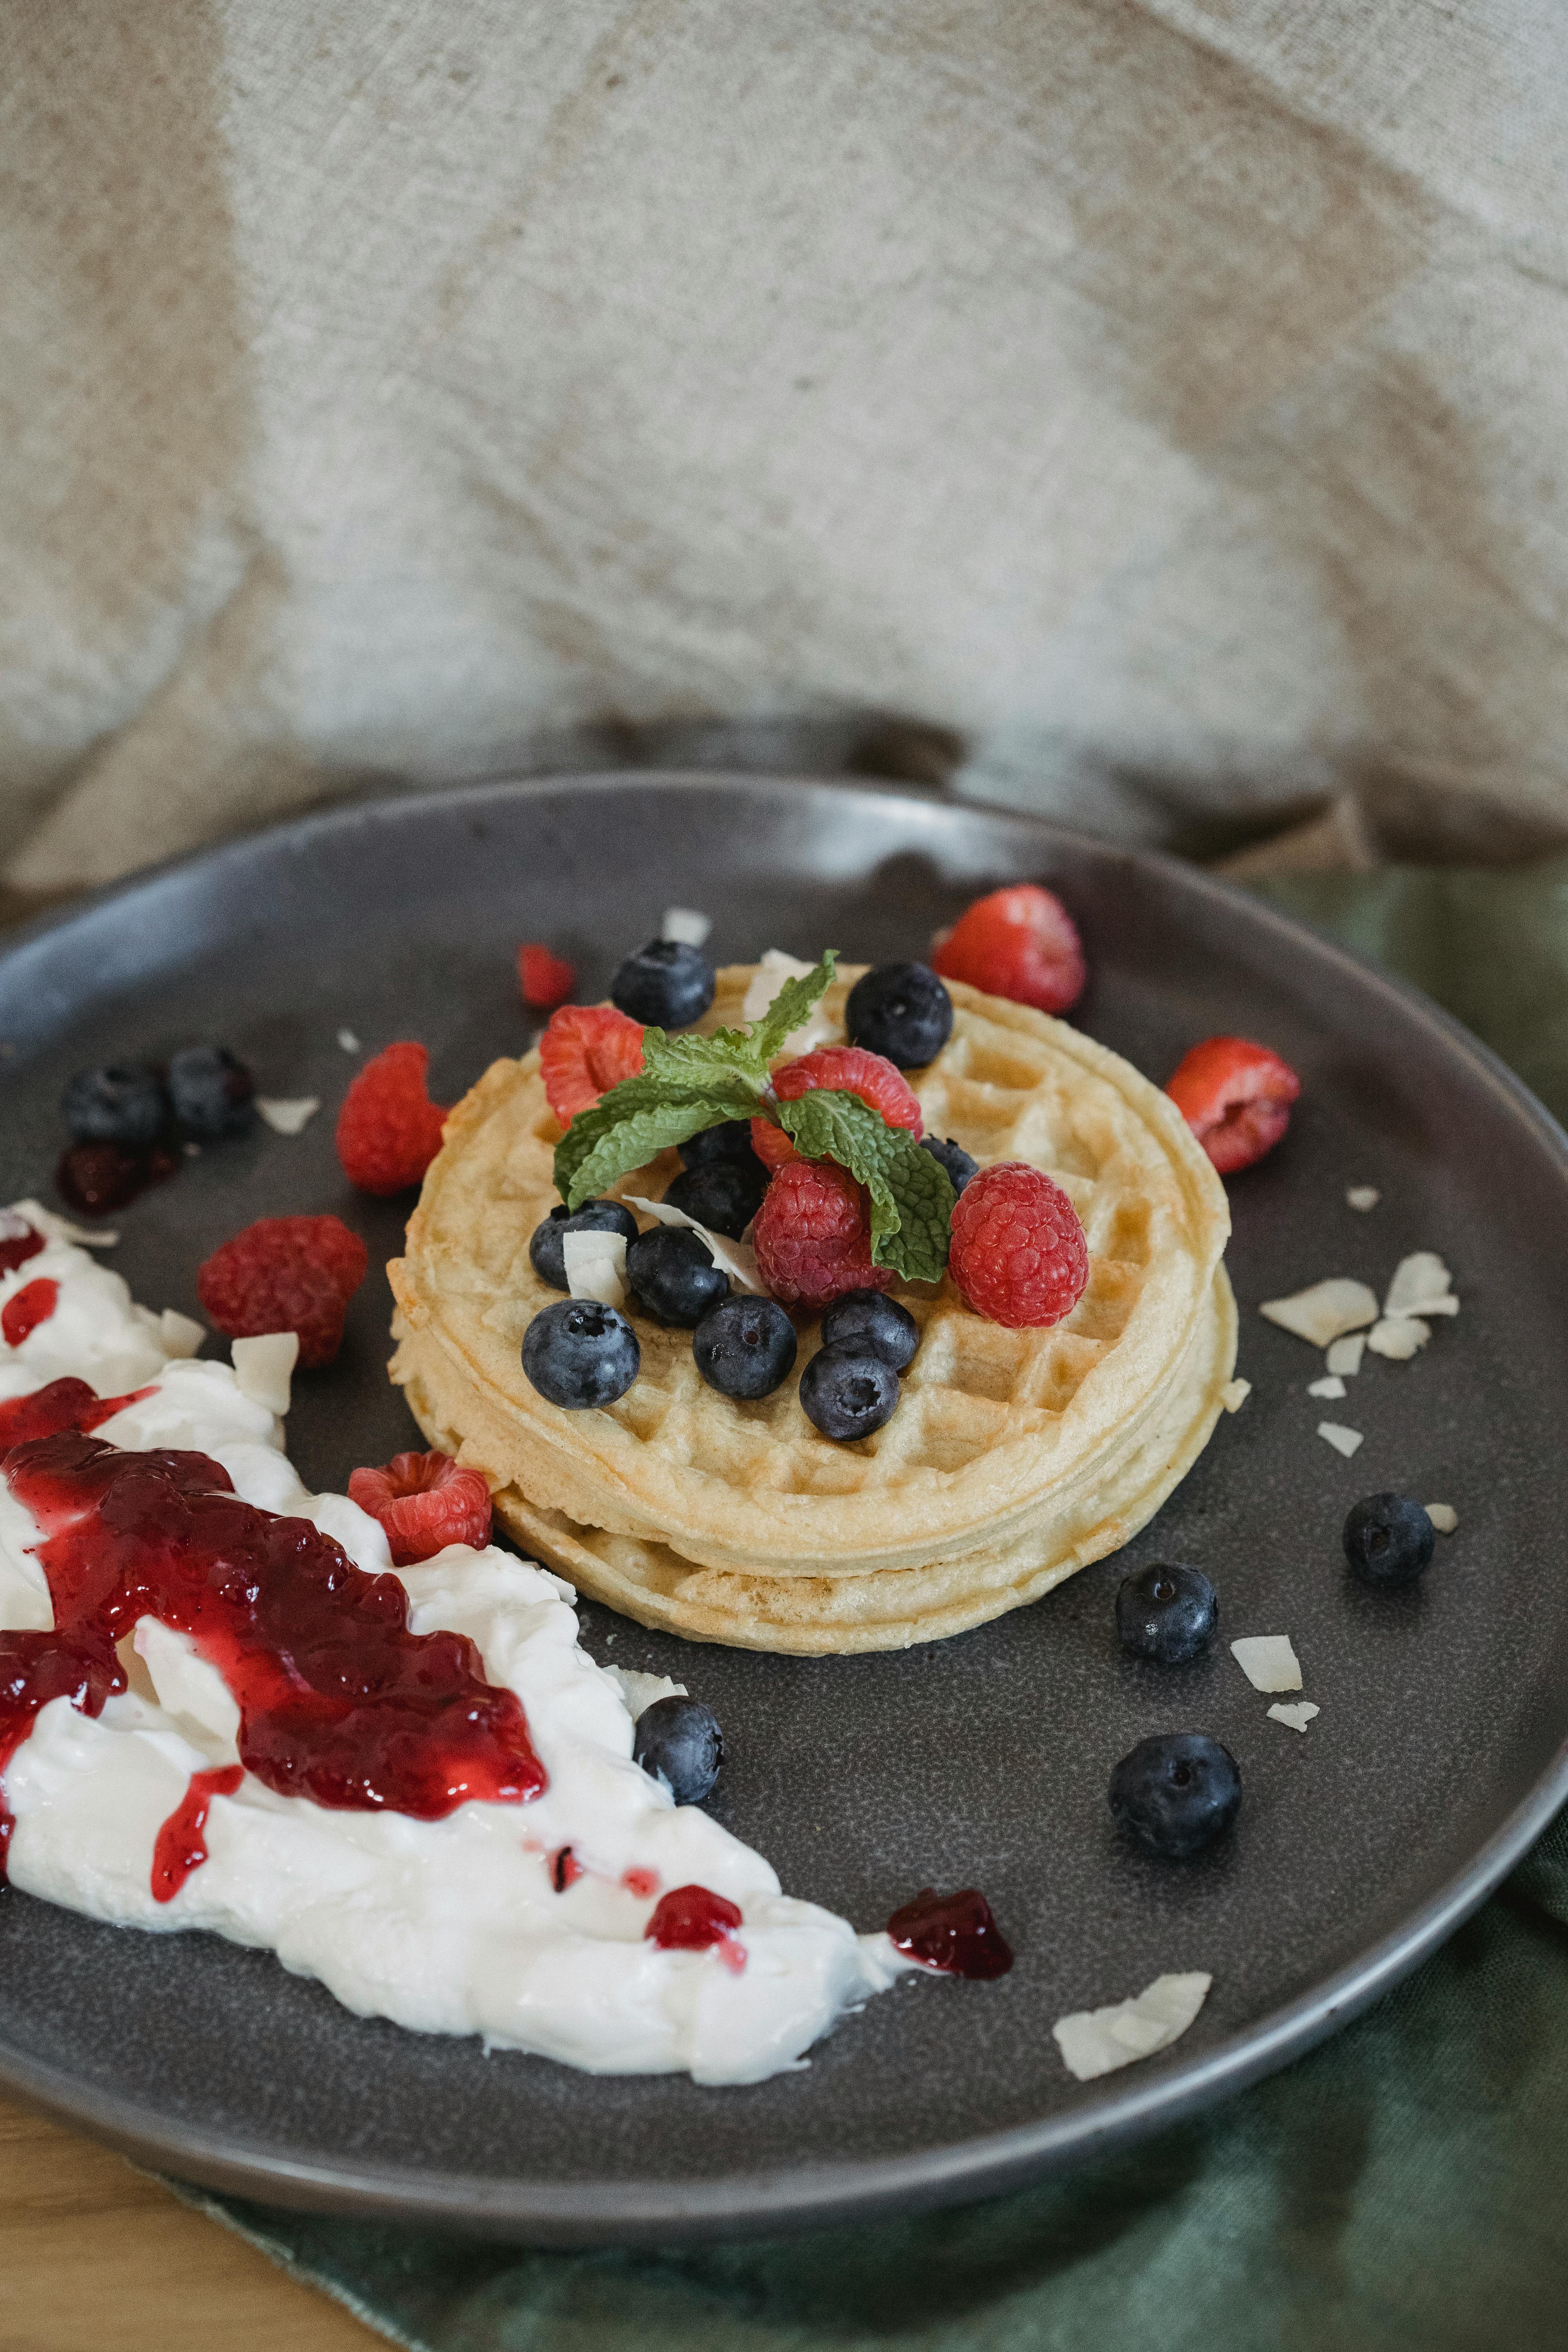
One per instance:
(803,2195)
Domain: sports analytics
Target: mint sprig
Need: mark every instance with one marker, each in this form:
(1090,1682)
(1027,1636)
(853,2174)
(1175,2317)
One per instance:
(911,1193)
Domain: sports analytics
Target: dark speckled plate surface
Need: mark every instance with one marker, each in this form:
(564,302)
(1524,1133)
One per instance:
(1439,1751)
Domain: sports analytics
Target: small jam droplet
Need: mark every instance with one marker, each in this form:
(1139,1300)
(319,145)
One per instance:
(182,1844)
(565,1869)
(32,1305)
(953,1933)
(18,1242)
(640,1883)
(693,1918)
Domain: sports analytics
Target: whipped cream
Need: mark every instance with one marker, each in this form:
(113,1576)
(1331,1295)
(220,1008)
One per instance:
(452,1926)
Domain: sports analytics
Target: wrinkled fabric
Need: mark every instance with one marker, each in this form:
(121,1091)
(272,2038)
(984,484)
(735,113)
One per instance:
(1145,411)
(1401,2186)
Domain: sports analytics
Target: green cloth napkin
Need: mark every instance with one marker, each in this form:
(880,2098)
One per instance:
(1401,2186)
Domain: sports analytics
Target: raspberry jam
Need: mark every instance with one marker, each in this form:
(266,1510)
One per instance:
(952,1933)
(26,1308)
(339,1701)
(182,1844)
(693,1920)
(18,1242)
(64,1405)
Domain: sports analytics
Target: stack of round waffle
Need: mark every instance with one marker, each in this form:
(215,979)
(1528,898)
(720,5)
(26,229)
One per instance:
(1014,1457)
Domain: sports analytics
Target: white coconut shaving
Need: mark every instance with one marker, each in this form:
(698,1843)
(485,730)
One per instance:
(1344,1441)
(1234,1394)
(685,924)
(264,1366)
(641,1691)
(1268,1661)
(596,1266)
(1398,1336)
(1422,1284)
(288,1114)
(770,976)
(348,1041)
(1329,1387)
(1444,1517)
(1364,1197)
(1097,2040)
(1320,1313)
(1343,1358)
(180,1335)
(737,1259)
(1296,1716)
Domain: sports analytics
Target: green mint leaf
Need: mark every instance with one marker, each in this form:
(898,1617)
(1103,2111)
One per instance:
(724,1059)
(613,1137)
(790,1010)
(911,1194)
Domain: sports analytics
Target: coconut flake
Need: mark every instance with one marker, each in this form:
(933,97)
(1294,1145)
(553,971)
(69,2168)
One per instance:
(685,924)
(179,1335)
(56,1229)
(765,983)
(288,1114)
(641,1691)
(1444,1517)
(1268,1661)
(1344,1441)
(1364,1196)
(596,1266)
(1330,1386)
(264,1366)
(1097,2040)
(1234,1394)
(1398,1336)
(348,1041)
(1344,1357)
(1422,1284)
(737,1259)
(1297,1716)
(1321,1313)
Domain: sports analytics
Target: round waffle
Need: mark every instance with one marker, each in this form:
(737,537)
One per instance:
(1000,1436)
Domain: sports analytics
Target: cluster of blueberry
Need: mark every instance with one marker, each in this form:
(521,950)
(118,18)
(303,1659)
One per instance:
(124,1118)
(1175,1793)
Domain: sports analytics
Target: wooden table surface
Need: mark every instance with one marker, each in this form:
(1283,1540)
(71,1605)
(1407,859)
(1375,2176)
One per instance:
(94,2257)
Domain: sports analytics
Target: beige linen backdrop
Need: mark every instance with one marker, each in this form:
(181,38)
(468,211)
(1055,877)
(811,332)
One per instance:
(1136,409)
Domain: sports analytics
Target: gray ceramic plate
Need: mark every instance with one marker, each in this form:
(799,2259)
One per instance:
(1439,1753)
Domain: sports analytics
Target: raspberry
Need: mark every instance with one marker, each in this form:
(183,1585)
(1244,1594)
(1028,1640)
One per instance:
(389,1130)
(1019,1254)
(1020,943)
(586,1050)
(1236,1097)
(811,1236)
(546,980)
(26,1308)
(841,1069)
(286,1273)
(425,1501)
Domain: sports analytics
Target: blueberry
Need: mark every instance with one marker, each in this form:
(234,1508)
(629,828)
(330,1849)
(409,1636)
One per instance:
(745,1346)
(1388,1540)
(849,1392)
(864,1320)
(672,1272)
(119,1102)
(958,1163)
(579,1353)
(214,1094)
(1168,1614)
(722,1194)
(545,1253)
(900,1010)
(730,1140)
(667,984)
(1173,1794)
(678,1742)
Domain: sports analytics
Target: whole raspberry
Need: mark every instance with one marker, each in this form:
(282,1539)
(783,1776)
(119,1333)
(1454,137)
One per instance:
(841,1069)
(1236,1097)
(425,1502)
(286,1273)
(586,1050)
(389,1130)
(811,1236)
(1019,943)
(545,979)
(1019,1254)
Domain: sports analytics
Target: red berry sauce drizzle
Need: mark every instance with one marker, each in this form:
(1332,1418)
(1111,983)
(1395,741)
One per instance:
(182,1844)
(18,1242)
(694,1919)
(953,1933)
(26,1308)
(339,1701)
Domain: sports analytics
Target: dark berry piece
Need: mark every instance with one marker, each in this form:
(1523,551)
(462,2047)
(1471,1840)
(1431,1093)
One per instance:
(864,1320)
(673,1273)
(730,1140)
(849,1392)
(667,984)
(545,1253)
(900,1010)
(959,1167)
(1173,1794)
(1389,1540)
(214,1094)
(1167,1614)
(678,1742)
(745,1346)
(579,1353)
(96,1179)
(119,1102)
(724,1194)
